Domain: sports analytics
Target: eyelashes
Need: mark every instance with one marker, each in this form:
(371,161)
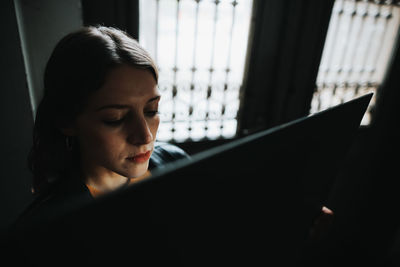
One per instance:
(113,122)
(117,122)
(152,113)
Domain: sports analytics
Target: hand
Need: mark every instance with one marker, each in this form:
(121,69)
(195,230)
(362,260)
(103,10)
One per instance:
(321,224)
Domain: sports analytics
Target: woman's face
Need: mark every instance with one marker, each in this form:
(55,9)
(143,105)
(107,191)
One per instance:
(117,130)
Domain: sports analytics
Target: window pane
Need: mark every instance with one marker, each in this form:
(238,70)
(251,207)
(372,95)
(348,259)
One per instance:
(357,50)
(200,48)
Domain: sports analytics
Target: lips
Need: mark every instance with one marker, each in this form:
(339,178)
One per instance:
(140,158)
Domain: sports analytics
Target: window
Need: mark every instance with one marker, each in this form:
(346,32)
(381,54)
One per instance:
(357,50)
(200,48)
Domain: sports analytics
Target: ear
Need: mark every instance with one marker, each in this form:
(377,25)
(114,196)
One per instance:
(68,131)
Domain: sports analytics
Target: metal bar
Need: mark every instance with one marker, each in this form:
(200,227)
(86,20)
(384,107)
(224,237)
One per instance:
(369,46)
(175,69)
(356,37)
(196,28)
(333,44)
(379,51)
(194,63)
(228,62)
(363,27)
(351,13)
(211,69)
(156,31)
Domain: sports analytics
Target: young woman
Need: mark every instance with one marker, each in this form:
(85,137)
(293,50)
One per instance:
(96,126)
(95,129)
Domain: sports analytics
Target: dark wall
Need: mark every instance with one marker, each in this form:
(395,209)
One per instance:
(30,32)
(16,120)
(284,52)
(41,24)
(123,14)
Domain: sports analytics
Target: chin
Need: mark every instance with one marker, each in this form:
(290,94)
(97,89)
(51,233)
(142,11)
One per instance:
(132,170)
(138,172)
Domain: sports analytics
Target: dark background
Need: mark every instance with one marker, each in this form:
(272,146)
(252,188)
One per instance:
(285,48)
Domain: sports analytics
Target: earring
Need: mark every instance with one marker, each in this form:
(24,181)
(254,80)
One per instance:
(69,143)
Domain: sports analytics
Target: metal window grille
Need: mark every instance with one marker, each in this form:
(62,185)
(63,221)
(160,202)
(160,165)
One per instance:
(357,50)
(200,48)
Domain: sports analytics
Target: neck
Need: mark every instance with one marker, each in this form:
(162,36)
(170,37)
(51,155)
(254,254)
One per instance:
(96,190)
(105,183)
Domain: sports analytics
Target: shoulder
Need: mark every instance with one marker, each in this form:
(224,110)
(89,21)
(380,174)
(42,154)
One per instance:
(54,201)
(165,152)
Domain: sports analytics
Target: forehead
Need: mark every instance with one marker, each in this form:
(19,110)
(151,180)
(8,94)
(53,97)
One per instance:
(125,85)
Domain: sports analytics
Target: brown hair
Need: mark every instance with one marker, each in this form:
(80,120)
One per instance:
(76,68)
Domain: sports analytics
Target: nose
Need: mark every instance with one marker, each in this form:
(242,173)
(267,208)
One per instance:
(139,132)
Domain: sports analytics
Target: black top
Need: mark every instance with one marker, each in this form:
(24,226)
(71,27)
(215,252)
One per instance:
(29,241)
(70,193)
(164,153)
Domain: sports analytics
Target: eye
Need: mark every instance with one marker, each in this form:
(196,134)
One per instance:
(151,113)
(113,122)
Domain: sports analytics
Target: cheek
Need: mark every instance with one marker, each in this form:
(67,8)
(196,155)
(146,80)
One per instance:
(101,143)
(153,125)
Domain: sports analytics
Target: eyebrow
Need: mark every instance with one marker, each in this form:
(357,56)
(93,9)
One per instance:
(119,106)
